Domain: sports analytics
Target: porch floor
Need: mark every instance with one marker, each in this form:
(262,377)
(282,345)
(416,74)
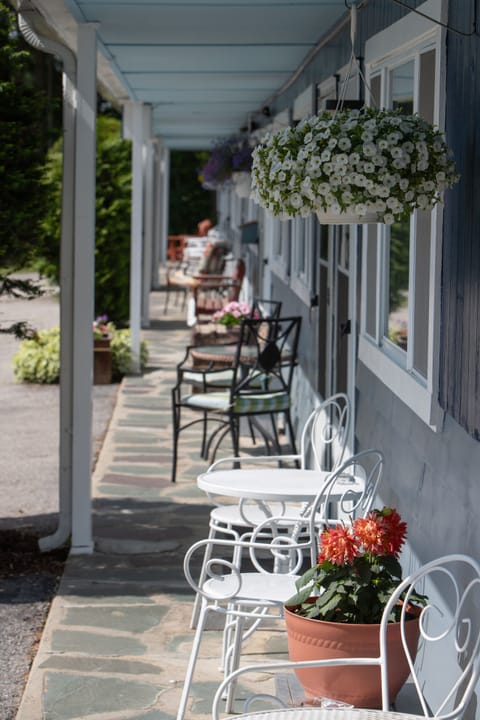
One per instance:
(117,639)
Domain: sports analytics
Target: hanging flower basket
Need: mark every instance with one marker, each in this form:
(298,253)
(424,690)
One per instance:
(229,156)
(356,166)
(345,218)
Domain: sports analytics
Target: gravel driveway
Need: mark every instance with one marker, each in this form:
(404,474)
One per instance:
(29,423)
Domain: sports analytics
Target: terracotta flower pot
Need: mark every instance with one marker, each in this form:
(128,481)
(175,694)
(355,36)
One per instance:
(360,686)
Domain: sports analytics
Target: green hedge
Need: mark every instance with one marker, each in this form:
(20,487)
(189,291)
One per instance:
(38,360)
(112,220)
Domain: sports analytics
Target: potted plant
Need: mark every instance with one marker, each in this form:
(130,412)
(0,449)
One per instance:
(339,605)
(355,166)
(102,331)
(232,314)
(102,353)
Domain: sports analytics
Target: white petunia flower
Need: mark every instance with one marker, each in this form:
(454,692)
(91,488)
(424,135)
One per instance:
(369,149)
(344,143)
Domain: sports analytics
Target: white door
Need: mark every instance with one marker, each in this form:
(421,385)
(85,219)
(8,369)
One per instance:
(337,311)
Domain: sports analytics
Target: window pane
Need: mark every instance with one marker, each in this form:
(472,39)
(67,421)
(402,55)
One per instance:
(398,290)
(422,291)
(301,240)
(375,91)
(371,280)
(324,242)
(402,87)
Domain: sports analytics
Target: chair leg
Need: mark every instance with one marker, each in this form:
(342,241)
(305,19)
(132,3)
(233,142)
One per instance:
(235,433)
(176,432)
(290,431)
(275,434)
(193,658)
(233,660)
(203,452)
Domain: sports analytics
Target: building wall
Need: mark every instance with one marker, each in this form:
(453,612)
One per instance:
(432,477)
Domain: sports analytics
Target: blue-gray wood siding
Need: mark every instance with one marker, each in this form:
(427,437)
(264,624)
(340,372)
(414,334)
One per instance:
(460,338)
(460,293)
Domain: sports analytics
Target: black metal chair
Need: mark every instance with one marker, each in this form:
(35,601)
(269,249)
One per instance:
(261,379)
(266,308)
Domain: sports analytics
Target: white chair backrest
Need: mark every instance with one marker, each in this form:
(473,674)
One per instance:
(225,561)
(325,434)
(348,492)
(449,635)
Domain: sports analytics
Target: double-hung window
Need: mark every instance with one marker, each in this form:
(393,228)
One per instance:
(401,262)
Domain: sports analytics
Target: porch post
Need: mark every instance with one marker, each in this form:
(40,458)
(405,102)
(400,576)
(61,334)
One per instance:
(26,22)
(148,216)
(134,129)
(84,283)
(165,198)
(157,214)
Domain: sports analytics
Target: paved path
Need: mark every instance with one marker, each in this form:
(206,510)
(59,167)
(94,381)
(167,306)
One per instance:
(29,425)
(117,640)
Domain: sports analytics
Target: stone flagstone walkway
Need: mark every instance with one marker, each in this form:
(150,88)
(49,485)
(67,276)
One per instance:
(117,640)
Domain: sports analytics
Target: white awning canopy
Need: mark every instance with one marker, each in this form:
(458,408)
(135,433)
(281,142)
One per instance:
(206,67)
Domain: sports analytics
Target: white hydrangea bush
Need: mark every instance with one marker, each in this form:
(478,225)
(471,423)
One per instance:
(359,162)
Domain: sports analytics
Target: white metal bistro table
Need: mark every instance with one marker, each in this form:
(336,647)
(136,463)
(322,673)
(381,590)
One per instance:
(272,484)
(333,713)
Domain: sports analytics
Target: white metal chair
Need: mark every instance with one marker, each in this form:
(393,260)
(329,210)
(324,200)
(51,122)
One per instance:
(449,638)
(322,447)
(259,593)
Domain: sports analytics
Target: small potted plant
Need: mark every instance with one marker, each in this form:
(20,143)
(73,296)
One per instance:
(102,329)
(339,605)
(102,352)
(356,166)
(232,314)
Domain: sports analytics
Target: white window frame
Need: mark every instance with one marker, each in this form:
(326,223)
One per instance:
(302,278)
(281,262)
(383,53)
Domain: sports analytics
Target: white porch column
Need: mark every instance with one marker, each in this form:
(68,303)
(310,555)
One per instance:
(134,129)
(84,281)
(148,215)
(165,201)
(157,212)
(26,21)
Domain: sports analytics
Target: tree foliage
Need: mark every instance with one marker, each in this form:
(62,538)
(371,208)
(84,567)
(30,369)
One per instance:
(22,146)
(189,202)
(112,232)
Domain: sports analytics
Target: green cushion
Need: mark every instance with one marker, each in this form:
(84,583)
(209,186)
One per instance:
(223,377)
(266,402)
(220,401)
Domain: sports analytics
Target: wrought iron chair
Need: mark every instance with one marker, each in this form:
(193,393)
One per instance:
(264,361)
(277,549)
(322,447)
(205,262)
(213,292)
(261,307)
(449,635)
